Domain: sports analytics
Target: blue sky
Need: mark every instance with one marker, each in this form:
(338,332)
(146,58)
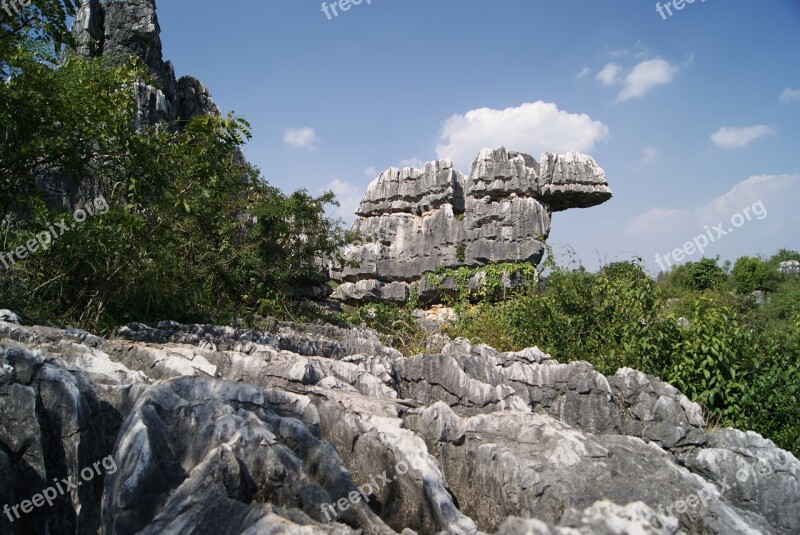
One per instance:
(693,118)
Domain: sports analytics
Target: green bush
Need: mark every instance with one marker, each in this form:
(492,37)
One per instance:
(751,274)
(396,323)
(738,360)
(705,275)
(192,233)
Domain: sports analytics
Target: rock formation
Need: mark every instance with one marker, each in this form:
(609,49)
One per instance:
(309,429)
(122,28)
(416,220)
(789,267)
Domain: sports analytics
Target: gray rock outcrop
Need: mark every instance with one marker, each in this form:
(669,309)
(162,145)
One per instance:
(790,267)
(417,220)
(123,28)
(119,29)
(309,429)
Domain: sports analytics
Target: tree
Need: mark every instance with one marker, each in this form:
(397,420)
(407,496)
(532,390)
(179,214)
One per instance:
(73,119)
(705,274)
(751,274)
(33,24)
(192,232)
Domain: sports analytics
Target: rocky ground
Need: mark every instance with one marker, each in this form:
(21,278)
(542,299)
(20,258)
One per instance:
(311,429)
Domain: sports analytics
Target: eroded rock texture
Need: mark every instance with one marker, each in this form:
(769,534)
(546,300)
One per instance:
(308,429)
(414,221)
(119,29)
(122,28)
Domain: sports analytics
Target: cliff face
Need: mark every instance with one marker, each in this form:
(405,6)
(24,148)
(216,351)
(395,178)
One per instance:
(130,27)
(119,28)
(416,220)
(310,429)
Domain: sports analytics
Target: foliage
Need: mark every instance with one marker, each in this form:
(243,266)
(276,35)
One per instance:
(751,274)
(74,121)
(705,274)
(39,25)
(488,282)
(739,360)
(396,323)
(710,360)
(192,233)
(601,318)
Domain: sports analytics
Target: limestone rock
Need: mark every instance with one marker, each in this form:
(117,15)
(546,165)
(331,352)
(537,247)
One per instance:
(120,28)
(89,28)
(602,518)
(572,180)
(321,429)
(194,99)
(414,221)
(9,317)
(790,267)
(52,426)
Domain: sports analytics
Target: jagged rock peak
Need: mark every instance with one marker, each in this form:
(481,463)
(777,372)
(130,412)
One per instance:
(130,27)
(123,27)
(417,220)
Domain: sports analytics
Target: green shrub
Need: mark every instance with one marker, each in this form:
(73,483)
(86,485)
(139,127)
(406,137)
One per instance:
(192,233)
(738,360)
(751,274)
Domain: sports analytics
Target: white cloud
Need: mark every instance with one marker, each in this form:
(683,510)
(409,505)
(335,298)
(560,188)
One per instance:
(586,71)
(756,188)
(729,137)
(608,76)
(533,127)
(371,172)
(301,138)
(646,76)
(656,220)
(349,197)
(790,95)
(649,154)
(416,163)
(637,51)
(754,216)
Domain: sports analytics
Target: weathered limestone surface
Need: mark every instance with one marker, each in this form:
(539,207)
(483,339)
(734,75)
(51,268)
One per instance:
(414,221)
(790,267)
(120,28)
(228,431)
